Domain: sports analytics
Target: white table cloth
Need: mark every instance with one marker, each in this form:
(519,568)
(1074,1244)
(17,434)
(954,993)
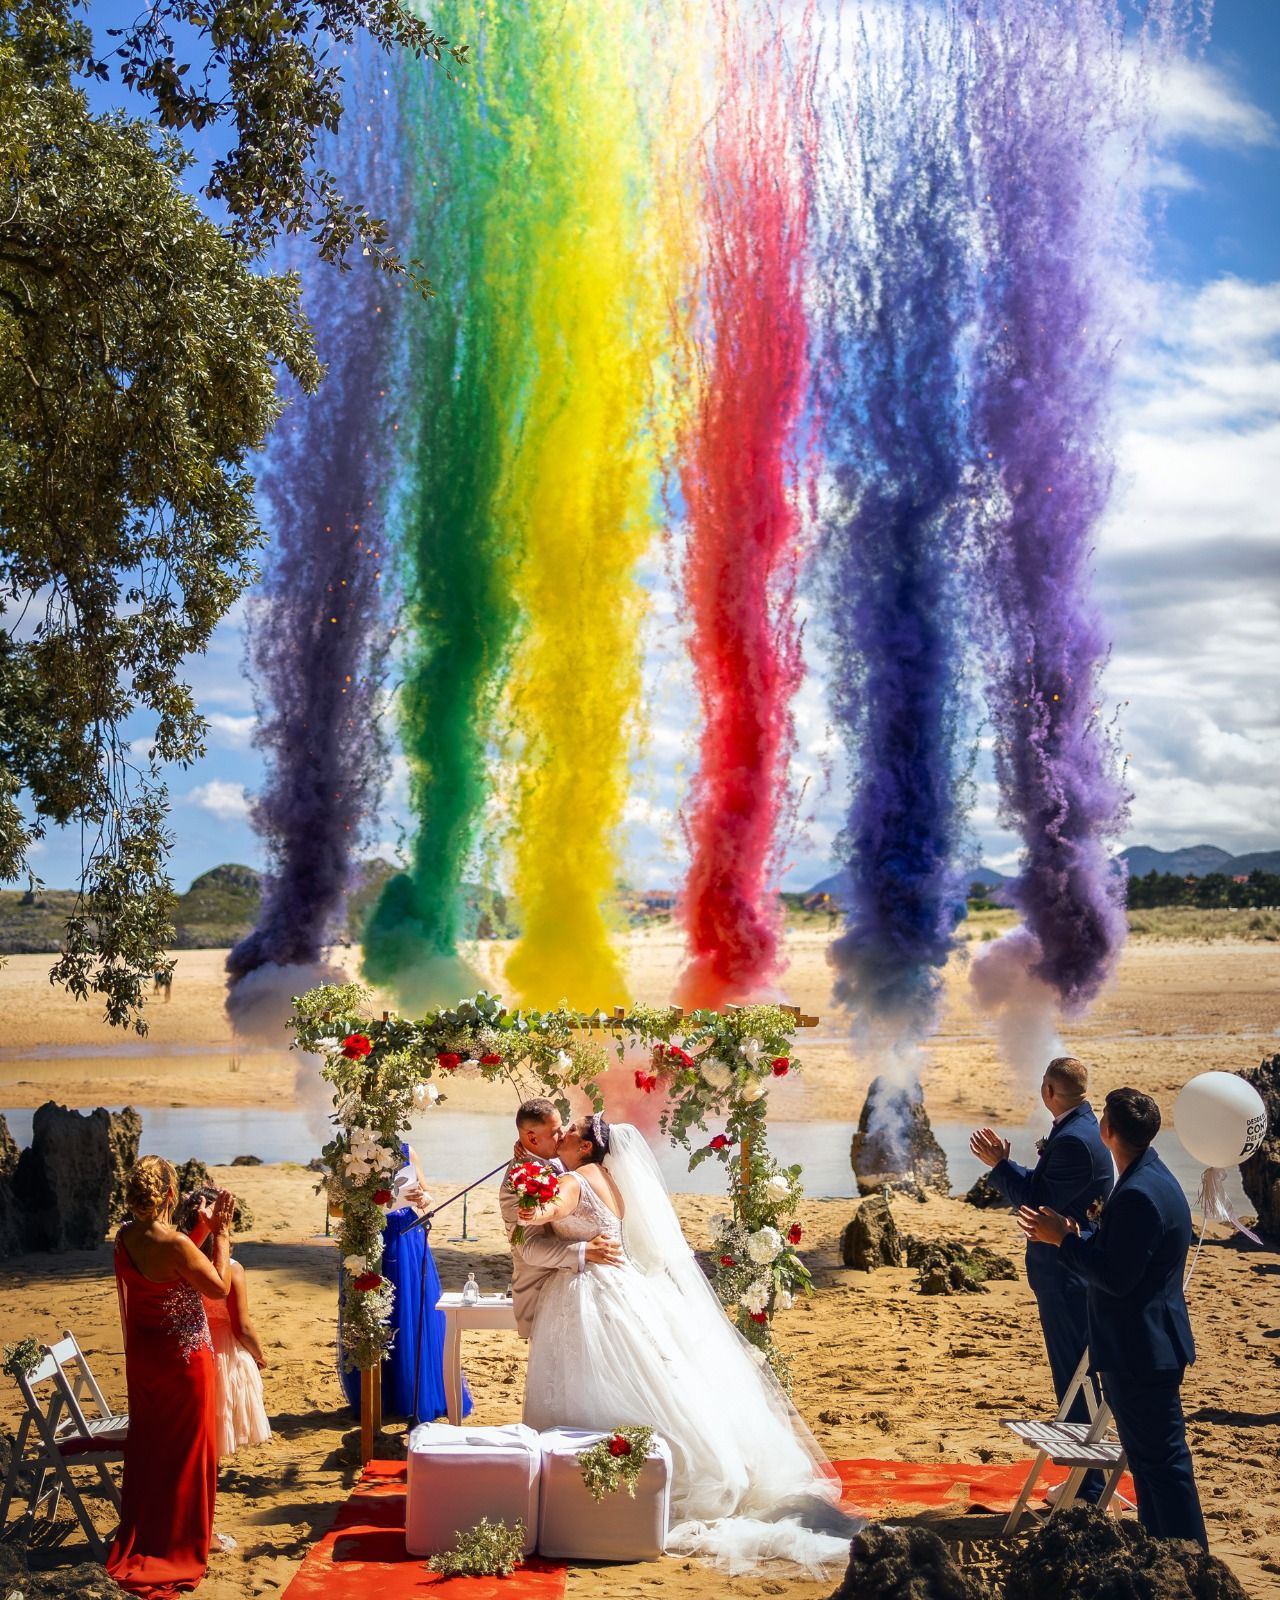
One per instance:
(574,1527)
(458,1475)
(490,1311)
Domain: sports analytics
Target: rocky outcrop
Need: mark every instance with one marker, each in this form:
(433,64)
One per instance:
(1260,1174)
(947,1267)
(984,1195)
(894,1147)
(871,1239)
(87,1581)
(903,1563)
(1083,1554)
(66,1190)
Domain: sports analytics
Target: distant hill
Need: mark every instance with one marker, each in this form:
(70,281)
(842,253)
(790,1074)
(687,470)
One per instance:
(1192,861)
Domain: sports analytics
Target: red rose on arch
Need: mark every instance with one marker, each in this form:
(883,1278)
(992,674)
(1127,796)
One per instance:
(722,1141)
(675,1053)
(727,1261)
(382,1197)
(448,1060)
(795,1233)
(759,1316)
(491,1060)
(368,1281)
(356,1046)
(781,1066)
(618,1446)
(647,1081)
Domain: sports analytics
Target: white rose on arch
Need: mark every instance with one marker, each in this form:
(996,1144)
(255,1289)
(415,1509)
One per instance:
(778,1187)
(425,1096)
(716,1075)
(764,1246)
(755,1297)
(355,1265)
(751,1050)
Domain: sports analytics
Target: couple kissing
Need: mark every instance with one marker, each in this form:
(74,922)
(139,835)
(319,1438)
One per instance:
(625,1330)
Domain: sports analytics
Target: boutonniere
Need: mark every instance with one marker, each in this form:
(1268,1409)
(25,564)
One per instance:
(1094,1213)
(1041,1146)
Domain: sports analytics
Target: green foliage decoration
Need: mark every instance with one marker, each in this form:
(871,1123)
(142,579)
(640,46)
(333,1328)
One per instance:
(615,1462)
(489,1550)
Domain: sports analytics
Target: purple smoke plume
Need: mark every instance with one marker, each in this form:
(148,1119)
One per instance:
(1058,117)
(316,626)
(895,266)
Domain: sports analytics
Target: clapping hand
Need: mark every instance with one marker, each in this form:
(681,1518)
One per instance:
(1046,1226)
(223,1210)
(989,1147)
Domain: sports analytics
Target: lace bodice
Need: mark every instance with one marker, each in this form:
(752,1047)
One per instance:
(589,1217)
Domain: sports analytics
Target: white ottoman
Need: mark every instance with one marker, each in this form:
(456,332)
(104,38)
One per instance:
(458,1475)
(572,1526)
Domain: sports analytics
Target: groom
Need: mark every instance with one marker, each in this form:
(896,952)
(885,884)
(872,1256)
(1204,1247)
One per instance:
(541,1253)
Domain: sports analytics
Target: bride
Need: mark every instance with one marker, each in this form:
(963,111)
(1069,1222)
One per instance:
(649,1345)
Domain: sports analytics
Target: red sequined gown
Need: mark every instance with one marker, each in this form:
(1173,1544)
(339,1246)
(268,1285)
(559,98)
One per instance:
(170,1459)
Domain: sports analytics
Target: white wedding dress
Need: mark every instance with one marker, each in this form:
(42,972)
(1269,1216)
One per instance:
(648,1344)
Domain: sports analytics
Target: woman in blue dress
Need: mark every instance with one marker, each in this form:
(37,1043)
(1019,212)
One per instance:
(418,1348)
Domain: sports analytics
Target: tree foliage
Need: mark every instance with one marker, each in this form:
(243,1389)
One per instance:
(137,352)
(267,68)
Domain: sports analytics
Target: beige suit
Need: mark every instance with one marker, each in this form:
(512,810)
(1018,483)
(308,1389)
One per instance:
(541,1253)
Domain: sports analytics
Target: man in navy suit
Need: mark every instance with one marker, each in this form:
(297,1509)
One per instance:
(1074,1172)
(1139,1332)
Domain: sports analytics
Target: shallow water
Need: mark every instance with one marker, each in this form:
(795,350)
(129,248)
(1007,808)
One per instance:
(456,1146)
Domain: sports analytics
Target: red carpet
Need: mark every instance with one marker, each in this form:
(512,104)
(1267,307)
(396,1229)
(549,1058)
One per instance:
(363,1553)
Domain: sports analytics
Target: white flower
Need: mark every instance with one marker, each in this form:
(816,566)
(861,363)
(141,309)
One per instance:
(327,1044)
(755,1297)
(425,1096)
(564,1060)
(784,1300)
(751,1091)
(751,1049)
(763,1245)
(356,1167)
(355,1265)
(715,1074)
(470,1065)
(778,1187)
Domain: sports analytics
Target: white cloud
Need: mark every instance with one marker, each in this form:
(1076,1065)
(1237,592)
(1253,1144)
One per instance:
(1196,100)
(235,732)
(226,801)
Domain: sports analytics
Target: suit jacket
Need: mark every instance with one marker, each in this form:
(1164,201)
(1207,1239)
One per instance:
(541,1253)
(1132,1263)
(1075,1170)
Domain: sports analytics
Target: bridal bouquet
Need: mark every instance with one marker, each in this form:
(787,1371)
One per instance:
(535,1187)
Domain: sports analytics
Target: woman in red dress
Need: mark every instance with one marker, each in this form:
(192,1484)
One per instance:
(170,1457)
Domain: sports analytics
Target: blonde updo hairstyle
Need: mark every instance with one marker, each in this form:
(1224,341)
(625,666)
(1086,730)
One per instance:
(152,1188)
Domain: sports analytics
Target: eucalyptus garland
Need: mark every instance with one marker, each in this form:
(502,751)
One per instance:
(615,1462)
(384,1069)
(489,1550)
(22,1358)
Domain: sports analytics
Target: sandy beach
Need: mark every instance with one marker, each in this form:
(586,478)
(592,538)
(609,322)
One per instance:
(879,1370)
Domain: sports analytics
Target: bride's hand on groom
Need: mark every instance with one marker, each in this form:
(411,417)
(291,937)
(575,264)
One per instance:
(603,1251)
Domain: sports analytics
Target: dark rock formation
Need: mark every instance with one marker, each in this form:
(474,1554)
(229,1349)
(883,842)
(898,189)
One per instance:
(123,1136)
(894,1146)
(1260,1174)
(871,1239)
(10,1224)
(86,1582)
(1084,1554)
(946,1267)
(64,1183)
(985,1195)
(246,1161)
(194,1174)
(903,1563)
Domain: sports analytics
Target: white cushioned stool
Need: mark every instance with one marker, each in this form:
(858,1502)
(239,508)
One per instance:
(458,1475)
(573,1526)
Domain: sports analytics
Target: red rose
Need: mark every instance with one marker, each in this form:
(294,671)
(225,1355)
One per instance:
(781,1066)
(675,1053)
(759,1316)
(641,1079)
(727,1261)
(795,1233)
(367,1281)
(382,1197)
(448,1060)
(491,1060)
(722,1141)
(618,1446)
(356,1046)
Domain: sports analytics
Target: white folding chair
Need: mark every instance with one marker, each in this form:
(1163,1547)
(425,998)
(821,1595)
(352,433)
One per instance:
(63,1437)
(1080,1446)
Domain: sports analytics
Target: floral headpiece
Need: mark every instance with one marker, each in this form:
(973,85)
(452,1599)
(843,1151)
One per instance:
(599,1132)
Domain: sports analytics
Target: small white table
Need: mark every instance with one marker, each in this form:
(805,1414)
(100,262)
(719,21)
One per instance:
(490,1311)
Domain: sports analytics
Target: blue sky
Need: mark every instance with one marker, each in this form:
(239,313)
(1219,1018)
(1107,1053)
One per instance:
(1188,561)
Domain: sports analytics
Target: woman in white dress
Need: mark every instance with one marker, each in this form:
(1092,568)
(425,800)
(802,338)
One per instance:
(648,1344)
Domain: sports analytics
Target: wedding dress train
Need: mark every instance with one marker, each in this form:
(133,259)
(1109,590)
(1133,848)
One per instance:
(648,1344)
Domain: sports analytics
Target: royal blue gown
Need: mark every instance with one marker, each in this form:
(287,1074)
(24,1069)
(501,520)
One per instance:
(407,1262)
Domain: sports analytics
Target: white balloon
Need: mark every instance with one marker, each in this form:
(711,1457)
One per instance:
(1220,1118)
